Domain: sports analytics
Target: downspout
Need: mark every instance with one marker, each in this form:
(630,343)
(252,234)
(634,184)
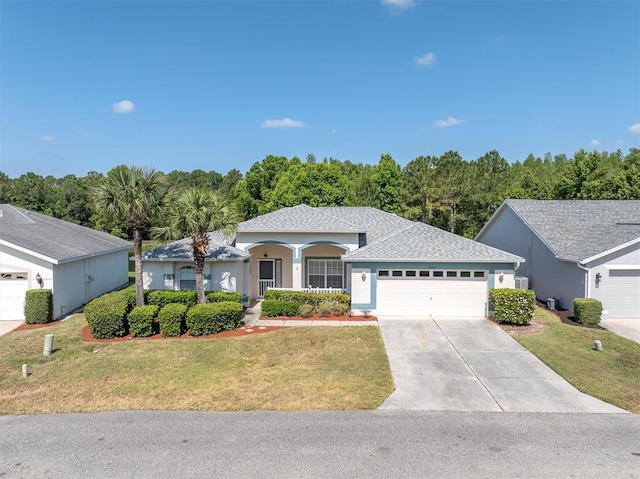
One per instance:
(587,285)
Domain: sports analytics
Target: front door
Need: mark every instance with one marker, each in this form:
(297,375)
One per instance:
(266,275)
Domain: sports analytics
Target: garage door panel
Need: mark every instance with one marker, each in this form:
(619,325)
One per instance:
(12,294)
(624,294)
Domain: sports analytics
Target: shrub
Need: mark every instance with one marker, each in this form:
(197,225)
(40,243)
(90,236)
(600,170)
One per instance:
(141,320)
(171,319)
(587,310)
(512,305)
(306,311)
(304,297)
(161,297)
(271,308)
(107,314)
(325,308)
(220,296)
(38,306)
(212,318)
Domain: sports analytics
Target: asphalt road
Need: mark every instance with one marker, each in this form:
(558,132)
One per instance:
(364,444)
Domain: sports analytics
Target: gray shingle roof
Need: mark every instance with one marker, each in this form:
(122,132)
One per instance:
(580,229)
(421,242)
(378,224)
(219,250)
(54,238)
(301,219)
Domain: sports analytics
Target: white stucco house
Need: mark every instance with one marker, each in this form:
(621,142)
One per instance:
(574,249)
(389,265)
(75,262)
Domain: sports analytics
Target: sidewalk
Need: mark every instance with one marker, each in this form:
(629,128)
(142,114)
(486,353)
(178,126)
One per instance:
(6,326)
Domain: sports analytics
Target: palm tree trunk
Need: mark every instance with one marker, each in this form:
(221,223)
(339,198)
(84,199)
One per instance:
(198,262)
(137,246)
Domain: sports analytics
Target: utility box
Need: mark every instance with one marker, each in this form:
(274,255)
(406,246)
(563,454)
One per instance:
(522,282)
(551,303)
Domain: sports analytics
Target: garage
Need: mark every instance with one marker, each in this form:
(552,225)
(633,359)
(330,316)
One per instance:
(13,287)
(624,294)
(432,293)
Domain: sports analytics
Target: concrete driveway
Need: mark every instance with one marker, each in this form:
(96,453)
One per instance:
(472,365)
(627,328)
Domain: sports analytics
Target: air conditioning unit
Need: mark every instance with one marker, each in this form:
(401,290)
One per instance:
(522,282)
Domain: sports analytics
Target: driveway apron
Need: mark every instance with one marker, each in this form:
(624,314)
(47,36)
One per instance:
(473,365)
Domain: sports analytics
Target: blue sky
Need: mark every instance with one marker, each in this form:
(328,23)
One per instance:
(215,85)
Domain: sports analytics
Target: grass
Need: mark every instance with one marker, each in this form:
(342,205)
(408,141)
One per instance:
(289,369)
(612,375)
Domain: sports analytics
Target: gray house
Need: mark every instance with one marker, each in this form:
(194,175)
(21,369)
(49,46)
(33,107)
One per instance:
(574,249)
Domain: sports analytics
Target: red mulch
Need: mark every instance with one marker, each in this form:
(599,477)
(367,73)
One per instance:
(567,317)
(315,317)
(241,331)
(26,327)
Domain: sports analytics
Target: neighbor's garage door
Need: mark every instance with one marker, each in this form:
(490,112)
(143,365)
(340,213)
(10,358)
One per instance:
(624,294)
(435,293)
(13,287)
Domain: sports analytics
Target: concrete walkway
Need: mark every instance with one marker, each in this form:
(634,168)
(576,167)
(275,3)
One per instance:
(6,326)
(627,328)
(472,365)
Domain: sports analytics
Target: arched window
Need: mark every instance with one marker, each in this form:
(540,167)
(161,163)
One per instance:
(187,278)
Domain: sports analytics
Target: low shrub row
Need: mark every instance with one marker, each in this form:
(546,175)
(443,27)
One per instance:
(304,297)
(115,314)
(513,306)
(272,308)
(587,310)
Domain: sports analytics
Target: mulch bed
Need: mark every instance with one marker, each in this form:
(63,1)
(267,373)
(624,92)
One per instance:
(566,316)
(241,331)
(315,317)
(27,327)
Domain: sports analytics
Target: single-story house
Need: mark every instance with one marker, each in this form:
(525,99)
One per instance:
(574,249)
(389,265)
(75,262)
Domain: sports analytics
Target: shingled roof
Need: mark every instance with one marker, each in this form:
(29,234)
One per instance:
(182,250)
(578,230)
(299,219)
(53,239)
(421,242)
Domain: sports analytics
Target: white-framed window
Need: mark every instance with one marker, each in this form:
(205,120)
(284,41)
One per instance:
(187,278)
(325,273)
(12,276)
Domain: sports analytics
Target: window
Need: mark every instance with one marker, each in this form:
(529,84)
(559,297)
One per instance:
(383,273)
(325,273)
(9,276)
(465,274)
(452,274)
(396,273)
(478,274)
(424,274)
(410,274)
(438,274)
(187,278)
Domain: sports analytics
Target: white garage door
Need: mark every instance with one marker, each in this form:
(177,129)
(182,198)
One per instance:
(624,294)
(432,293)
(13,287)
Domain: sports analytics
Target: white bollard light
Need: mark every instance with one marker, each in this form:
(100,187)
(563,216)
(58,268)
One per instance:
(25,370)
(598,345)
(48,345)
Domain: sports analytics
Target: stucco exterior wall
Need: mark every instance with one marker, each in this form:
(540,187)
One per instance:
(223,275)
(14,261)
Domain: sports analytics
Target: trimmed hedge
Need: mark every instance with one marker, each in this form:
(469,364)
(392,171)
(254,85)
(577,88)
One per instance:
(304,297)
(220,296)
(38,306)
(141,320)
(513,306)
(272,308)
(212,318)
(107,314)
(587,310)
(171,319)
(161,297)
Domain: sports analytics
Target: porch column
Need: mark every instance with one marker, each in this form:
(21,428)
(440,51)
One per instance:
(297,274)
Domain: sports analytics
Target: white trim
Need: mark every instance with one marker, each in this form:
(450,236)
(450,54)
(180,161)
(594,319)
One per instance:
(610,251)
(622,267)
(427,260)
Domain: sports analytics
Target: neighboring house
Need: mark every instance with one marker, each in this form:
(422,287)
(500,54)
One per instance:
(574,249)
(390,265)
(76,263)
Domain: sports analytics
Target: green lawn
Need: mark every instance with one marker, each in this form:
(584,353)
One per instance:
(612,375)
(290,369)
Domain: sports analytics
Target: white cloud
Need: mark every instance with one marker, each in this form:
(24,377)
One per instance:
(123,107)
(426,59)
(402,4)
(620,142)
(284,123)
(634,128)
(595,143)
(450,121)
(47,138)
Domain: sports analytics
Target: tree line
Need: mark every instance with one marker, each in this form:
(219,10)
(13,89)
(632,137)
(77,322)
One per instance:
(446,191)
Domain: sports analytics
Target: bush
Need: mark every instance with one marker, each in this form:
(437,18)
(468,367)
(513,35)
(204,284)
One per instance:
(512,305)
(212,318)
(220,296)
(271,308)
(304,297)
(38,306)
(162,297)
(171,319)
(306,311)
(107,314)
(587,310)
(141,320)
(325,308)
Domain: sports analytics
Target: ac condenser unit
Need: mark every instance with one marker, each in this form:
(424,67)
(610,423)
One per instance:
(522,282)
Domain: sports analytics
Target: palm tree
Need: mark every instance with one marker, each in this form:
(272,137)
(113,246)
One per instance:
(194,212)
(134,195)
